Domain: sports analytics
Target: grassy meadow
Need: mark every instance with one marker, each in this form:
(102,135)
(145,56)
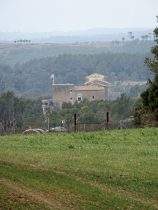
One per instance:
(94,170)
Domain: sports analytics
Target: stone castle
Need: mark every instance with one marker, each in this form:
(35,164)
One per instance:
(94,88)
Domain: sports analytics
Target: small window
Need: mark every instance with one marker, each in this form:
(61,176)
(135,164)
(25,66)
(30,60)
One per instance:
(93,97)
(79,98)
(70,98)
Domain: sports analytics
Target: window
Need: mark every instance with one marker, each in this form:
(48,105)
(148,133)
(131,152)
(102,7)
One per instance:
(93,97)
(79,97)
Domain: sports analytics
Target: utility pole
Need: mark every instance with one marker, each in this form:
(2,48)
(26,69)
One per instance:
(48,124)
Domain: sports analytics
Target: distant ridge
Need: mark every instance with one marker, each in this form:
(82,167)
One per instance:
(90,35)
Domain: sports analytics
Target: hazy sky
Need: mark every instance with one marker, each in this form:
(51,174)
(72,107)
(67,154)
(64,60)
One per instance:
(71,15)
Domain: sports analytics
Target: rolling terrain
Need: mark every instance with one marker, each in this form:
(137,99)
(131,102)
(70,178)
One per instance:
(26,69)
(11,53)
(95,170)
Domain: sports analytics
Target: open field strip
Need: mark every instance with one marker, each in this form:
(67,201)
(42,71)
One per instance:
(95,170)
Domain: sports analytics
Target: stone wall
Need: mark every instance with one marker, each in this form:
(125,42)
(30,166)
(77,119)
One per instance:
(95,88)
(71,93)
(61,93)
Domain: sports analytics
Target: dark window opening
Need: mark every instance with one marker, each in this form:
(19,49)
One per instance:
(79,98)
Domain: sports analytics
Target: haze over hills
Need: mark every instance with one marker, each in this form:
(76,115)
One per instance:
(90,35)
(71,56)
(12,53)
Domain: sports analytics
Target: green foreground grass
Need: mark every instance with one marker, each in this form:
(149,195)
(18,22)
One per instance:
(97,170)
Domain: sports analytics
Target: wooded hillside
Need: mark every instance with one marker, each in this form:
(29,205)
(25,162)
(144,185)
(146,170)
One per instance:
(31,79)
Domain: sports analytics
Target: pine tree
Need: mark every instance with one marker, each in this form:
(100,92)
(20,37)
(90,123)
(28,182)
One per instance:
(150,96)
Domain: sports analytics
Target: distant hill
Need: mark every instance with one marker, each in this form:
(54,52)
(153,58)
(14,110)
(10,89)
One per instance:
(12,53)
(26,67)
(90,35)
(31,79)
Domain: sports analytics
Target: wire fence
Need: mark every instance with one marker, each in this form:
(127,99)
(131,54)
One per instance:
(77,126)
(105,125)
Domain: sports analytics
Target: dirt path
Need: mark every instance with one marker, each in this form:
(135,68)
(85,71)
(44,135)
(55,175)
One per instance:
(32,195)
(52,203)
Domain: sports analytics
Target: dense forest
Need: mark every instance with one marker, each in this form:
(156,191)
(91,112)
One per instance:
(31,79)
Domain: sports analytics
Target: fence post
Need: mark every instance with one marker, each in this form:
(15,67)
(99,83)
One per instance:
(107,120)
(75,122)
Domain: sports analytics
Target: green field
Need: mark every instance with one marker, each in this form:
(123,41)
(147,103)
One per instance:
(98,170)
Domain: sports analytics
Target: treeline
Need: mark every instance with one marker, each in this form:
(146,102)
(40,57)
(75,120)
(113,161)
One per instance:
(146,112)
(31,79)
(93,112)
(18,114)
